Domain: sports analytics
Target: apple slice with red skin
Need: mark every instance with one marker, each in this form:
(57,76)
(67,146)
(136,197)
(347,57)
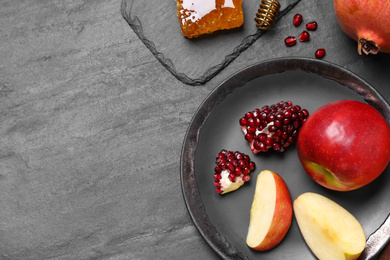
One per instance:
(330,231)
(344,145)
(271,212)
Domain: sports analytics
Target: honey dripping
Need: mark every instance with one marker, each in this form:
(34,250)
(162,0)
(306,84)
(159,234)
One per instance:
(197,17)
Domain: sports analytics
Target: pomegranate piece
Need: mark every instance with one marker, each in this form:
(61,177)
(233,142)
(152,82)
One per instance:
(312,26)
(231,170)
(273,127)
(290,41)
(304,37)
(320,53)
(297,19)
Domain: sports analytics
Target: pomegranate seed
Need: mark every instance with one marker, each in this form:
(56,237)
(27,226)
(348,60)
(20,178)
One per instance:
(287,113)
(320,53)
(305,113)
(297,20)
(257,122)
(290,41)
(239,156)
(249,137)
(230,167)
(251,122)
(260,146)
(251,166)
(221,161)
(279,116)
(251,129)
(256,112)
(268,142)
(278,124)
(294,116)
(237,171)
(248,115)
(220,156)
(272,128)
(246,178)
(241,163)
(312,26)
(243,121)
(278,129)
(304,37)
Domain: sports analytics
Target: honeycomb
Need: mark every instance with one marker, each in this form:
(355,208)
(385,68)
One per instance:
(197,17)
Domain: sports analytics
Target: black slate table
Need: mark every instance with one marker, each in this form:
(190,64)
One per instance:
(92,125)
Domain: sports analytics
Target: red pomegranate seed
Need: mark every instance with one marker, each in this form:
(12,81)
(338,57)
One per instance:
(252,166)
(232,165)
(312,26)
(297,20)
(279,127)
(304,37)
(243,121)
(237,171)
(290,41)
(320,53)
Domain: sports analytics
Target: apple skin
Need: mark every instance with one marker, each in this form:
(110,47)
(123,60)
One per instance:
(280,213)
(344,145)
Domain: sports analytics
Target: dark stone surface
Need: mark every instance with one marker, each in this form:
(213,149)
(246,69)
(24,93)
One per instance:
(92,126)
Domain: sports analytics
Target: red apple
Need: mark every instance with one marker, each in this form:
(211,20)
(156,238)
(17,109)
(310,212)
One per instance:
(344,145)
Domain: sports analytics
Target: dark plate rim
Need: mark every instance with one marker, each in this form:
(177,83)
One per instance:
(376,241)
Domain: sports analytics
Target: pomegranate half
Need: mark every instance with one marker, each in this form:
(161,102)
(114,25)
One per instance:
(367,22)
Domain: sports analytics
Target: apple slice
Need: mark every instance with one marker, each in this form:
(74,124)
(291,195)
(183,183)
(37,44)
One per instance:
(271,212)
(330,231)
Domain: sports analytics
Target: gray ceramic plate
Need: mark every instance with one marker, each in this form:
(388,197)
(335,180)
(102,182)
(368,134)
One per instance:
(223,220)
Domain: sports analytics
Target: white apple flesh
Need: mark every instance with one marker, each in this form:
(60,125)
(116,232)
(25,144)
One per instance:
(271,212)
(330,231)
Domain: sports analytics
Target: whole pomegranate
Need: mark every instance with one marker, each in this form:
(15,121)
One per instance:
(367,22)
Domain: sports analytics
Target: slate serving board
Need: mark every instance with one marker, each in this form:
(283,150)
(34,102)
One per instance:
(193,61)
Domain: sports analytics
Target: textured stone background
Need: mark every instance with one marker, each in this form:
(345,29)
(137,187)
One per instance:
(91,129)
